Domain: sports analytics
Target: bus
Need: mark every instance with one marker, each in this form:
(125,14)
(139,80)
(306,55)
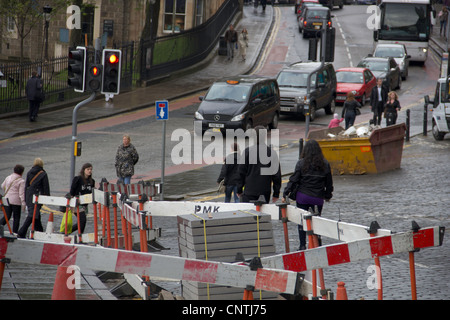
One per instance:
(407,22)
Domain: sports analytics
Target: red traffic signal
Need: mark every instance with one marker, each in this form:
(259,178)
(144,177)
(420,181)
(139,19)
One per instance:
(111,60)
(94,80)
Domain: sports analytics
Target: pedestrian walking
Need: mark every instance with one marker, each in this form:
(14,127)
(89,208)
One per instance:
(36,184)
(35,96)
(391,108)
(14,196)
(126,159)
(258,175)
(263,4)
(350,110)
(335,122)
(231,37)
(443,19)
(82,184)
(311,183)
(229,173)
(243,43)
(378,98)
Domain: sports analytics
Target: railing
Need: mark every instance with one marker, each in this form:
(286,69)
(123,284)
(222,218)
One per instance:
(15,76)
(164,55)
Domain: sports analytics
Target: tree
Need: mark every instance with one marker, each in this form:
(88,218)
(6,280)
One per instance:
(27,15)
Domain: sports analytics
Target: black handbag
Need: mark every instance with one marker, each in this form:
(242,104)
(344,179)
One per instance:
(40,95)
(293,194)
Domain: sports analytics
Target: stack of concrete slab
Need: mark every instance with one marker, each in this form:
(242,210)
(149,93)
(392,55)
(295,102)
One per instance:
(226,234)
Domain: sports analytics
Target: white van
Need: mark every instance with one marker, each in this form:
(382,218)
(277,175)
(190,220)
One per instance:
(441,109)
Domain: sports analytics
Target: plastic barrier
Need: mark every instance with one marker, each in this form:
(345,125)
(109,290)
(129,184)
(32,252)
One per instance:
(149,264)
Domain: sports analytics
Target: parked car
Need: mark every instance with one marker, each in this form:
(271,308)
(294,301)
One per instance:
(332,3)
(292,82)
(313,18)
(302,4)
(385,68)
(240,102)
(366,1)
(360,81)
(398,52)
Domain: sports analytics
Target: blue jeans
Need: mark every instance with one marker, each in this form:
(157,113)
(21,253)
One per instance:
(228,191)
(124,180)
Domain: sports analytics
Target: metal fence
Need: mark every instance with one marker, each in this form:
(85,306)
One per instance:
(15,76)
(163,55)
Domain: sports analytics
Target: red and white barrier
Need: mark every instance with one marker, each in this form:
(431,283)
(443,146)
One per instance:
(113,260)
(334,254)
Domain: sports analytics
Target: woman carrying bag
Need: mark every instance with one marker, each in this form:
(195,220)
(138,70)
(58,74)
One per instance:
(311,183)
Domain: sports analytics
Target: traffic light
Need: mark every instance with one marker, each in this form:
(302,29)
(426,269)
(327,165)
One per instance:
(76,69)
(312,50)
(112,61)
(329,44)
(94,77)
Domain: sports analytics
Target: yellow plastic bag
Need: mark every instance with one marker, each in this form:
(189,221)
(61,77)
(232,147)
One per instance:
(62,228)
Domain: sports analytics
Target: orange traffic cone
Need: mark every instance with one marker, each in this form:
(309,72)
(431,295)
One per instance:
(50,224)
(341,292)
(63,289)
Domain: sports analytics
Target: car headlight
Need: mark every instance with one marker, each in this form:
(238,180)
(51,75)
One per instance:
(198,115)
(302,100)
(239,117)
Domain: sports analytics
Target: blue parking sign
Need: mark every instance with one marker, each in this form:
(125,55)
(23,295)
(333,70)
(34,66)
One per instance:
(162,110)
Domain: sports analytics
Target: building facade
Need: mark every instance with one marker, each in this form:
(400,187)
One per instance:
(113,21)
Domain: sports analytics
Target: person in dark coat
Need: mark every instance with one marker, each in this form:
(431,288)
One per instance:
(256,176)
(32,90)
(229,173)
(349,110)
(378,98)
(36,183)
(231,37)
(311,182)
(391,108)
(82,184)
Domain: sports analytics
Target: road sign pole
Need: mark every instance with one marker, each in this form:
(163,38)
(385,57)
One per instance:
(162,113)
(163,161)
(74,134)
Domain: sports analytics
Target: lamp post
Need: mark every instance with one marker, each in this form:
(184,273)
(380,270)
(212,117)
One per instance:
(47,10)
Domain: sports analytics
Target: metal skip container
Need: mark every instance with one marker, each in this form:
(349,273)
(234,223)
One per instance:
(378,152)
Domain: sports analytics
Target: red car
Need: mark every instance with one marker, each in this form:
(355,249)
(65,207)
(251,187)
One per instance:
(359,80)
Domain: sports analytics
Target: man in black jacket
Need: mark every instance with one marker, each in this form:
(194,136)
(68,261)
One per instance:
(378,98)
(258,175)
(36,183)
(32,90)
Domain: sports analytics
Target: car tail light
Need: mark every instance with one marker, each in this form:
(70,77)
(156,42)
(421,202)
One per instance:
(304,23)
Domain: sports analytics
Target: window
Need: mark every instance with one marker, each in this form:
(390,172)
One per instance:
(199,12)
(174,15)
(11,25)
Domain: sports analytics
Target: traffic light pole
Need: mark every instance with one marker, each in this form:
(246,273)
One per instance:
(74,133)
(323,39)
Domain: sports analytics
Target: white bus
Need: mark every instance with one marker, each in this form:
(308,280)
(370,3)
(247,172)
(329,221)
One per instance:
(407,22)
